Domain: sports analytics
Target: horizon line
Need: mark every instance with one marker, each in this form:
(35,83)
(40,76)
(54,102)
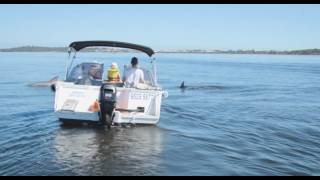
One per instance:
(169,49)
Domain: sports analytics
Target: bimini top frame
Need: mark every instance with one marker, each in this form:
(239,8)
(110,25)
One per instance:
(78,45)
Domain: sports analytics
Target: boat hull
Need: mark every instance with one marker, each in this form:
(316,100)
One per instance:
(134,106)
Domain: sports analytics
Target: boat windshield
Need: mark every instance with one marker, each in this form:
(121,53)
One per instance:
(148,77)
(86,74)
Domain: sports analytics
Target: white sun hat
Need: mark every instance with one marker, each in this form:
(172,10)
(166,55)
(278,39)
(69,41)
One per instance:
(114,64)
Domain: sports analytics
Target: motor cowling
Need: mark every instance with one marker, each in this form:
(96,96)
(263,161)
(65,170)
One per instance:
(107,103)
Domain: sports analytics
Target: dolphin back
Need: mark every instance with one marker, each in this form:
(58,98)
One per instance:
(45,83)
(54,79)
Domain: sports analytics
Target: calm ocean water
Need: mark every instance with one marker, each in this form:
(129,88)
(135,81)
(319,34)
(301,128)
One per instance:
(241,115)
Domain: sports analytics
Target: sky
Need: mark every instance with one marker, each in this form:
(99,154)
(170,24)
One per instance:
(259,27)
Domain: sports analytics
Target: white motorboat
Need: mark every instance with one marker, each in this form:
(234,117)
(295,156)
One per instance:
(87,98)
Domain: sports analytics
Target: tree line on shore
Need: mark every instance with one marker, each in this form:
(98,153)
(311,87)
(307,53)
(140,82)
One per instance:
(65,49)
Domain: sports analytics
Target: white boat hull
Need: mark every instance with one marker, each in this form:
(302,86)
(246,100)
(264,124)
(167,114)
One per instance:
(72,102)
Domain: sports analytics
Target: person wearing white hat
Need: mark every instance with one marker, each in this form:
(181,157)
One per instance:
(114,73)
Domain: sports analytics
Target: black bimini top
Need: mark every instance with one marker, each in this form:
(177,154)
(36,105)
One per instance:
(83,44)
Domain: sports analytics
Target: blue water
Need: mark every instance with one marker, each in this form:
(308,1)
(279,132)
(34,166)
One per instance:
(239,115)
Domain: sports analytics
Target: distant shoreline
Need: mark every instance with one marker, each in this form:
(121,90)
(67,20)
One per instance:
(186,51)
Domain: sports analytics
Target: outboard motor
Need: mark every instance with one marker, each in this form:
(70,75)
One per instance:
(107,104)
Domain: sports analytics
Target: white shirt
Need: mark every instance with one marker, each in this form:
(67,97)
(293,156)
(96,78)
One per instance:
(134,76)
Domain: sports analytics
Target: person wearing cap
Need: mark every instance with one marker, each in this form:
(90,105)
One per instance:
(114,73)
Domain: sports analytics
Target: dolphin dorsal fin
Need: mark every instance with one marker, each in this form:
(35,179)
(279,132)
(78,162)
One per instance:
(182,85)
(54,79)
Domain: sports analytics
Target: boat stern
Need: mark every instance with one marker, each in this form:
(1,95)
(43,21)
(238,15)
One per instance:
(77,102)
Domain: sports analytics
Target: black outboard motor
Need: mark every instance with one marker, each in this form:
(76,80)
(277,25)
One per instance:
(107,104)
